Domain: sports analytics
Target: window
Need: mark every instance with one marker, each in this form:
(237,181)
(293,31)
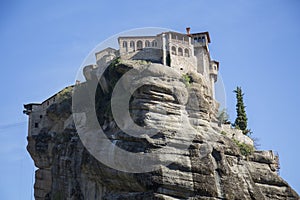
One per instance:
(139,45)
(215,67)
(173,50)
(41,116)
(174,36)
(132,44)
(154,43)
(147,43)
(180,53)
(181,68)
(186,53)
(124,44)
(36,125)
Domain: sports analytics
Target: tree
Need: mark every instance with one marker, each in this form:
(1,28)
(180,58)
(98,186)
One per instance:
(241,119)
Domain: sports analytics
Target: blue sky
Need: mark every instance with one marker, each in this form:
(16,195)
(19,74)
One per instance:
(43,43)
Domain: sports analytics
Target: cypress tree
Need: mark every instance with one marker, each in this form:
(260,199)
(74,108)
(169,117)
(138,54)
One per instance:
(241,119)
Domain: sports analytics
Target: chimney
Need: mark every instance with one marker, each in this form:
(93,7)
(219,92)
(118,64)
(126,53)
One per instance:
(188,31)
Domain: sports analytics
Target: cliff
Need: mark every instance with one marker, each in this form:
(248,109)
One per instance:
(197,158)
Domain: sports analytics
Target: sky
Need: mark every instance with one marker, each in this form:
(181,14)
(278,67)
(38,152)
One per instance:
(43,44)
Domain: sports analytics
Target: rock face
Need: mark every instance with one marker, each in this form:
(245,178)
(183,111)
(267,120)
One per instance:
(212,167)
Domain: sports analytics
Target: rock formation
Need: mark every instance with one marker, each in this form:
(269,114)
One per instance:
(212,167)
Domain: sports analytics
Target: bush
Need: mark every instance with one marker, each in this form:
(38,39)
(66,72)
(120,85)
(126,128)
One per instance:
(187,79)
(245,149)
(65,94)
(223,133)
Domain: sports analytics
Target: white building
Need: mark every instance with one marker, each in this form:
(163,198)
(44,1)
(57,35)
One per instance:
(184,52)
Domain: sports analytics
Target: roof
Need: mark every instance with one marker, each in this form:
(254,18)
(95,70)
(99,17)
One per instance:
(183,34)
(173,32)
(137,37)
(217,62)
(202,33)
(26,106)
(106,49)
(70,86)
(38,104)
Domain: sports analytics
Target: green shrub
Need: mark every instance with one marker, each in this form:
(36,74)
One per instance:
(115,62)
(223,133)
(65,94)
(245,149)
(187,79)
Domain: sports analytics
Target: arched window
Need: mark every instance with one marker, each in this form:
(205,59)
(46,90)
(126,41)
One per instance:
(173,50)
(132,44)
(174,37)
(180,53)
(186,53)
(139,45)
(124,44)
(154,43)
(147,43)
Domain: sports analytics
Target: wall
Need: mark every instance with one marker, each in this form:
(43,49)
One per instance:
(182,53)
(105,56)
(183,64)
(132,44)
(149,54)
(36,121)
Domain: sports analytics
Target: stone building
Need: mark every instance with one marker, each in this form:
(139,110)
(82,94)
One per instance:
(36,111)
(183,52)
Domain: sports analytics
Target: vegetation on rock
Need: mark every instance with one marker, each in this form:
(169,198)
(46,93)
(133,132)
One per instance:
(245,149)
(187,79)
(65,94)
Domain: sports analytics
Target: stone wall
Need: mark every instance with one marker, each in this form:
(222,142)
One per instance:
(105,56)
(150,54)
(183,64)
(38,111)
(132,44)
